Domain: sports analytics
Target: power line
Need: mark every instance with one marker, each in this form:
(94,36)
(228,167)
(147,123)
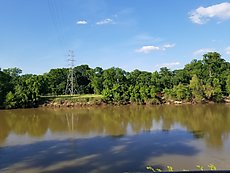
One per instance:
(70,85)
(57,21)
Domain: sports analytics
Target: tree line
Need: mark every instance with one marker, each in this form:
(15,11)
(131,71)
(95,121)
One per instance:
(207,79)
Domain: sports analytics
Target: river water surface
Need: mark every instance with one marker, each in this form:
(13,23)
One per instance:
(114,139)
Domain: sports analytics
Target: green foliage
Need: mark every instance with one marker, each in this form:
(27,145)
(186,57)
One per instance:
(228,85)
(201,80)
(96,80)
(13,72)
(208,91)
(196,87)
(170,168)
(5,86)
(168,94)
(182,92)
(194,68)
(181,76)
(217,92)
(107,95)
(165,78)
(82,75)
(10,101)
(26,92)
(56,79)
(201,168)
(212,167)
(178,92)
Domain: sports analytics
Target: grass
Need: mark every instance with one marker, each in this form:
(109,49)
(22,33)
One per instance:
(77,98)
(69,97)
(200,168)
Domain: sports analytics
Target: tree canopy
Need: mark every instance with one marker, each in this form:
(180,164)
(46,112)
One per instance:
(207,79)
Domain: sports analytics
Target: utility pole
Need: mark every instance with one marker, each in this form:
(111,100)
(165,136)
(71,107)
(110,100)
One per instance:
(70,79)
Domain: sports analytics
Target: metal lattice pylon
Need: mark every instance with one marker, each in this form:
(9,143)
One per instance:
(70,85)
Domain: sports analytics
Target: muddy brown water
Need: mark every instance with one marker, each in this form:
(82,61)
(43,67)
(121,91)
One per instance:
(114,139)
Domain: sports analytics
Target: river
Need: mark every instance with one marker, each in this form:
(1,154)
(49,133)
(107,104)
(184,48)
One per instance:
(114,139)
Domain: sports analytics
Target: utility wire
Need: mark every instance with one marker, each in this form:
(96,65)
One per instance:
(57,21)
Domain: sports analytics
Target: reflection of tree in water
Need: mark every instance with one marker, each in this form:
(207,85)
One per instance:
(38,125)
(4,129)
(211,122)
(28,122)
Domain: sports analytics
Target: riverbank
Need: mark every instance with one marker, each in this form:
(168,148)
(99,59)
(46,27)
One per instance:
(71,101)
(88,100)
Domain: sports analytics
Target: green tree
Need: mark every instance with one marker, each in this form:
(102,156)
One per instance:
(182,92)
(194,68)
(228,85)
(208,90)
(5,87)
(165,78)
(155,81)
(196,87)
(27,92)
(10,101)
(133,76)
(13,72)
(82,76)
(107,95)
(113,76)
(57,79)
(96,80)
(119,93)
(217,93)
(135,93)
(213,65)
(180,76)
(169,94)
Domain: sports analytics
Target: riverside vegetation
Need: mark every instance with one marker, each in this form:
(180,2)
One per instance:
(199,81)
(170,168)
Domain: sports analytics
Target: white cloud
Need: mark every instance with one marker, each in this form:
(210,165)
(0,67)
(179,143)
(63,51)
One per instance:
(203,14)
(203,51)
(169,65)
(166,46)
(148,49)
(227,50)
(81,22)
(169,45)
(105,21)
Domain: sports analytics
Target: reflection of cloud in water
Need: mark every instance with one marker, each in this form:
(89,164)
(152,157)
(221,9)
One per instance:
(118,149)
(126,136)
(98,154)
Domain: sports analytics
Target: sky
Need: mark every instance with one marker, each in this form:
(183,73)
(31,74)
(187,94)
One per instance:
(36,36)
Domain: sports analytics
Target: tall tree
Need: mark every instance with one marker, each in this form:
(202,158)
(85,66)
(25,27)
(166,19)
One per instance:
(13,72)
(57,79)
(217,93)
(165,78)
(5,86)
(196,87)
(228,84)
(96,80)
(82,78)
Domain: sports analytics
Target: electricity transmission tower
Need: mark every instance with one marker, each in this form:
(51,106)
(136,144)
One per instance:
(70,85)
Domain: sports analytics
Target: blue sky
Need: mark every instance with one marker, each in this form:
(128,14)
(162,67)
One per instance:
(131,34)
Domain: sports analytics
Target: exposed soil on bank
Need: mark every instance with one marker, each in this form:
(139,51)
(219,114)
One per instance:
(98,103)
